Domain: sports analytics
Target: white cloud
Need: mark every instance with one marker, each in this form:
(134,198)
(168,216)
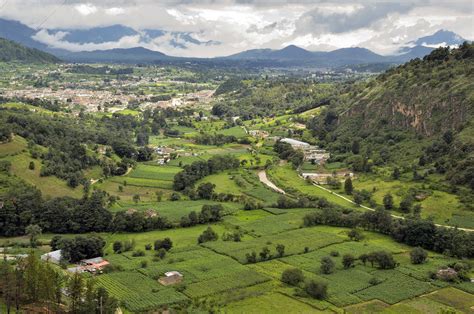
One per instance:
(382,26)
(86,9)
(115,11)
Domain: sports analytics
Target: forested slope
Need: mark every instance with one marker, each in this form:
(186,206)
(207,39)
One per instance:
(11,51)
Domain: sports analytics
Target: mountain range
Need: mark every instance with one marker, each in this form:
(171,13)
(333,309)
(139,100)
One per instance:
(288,56)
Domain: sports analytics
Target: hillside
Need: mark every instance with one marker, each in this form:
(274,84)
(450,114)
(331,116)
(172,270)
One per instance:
(11,51)
(417,118)
(429,96)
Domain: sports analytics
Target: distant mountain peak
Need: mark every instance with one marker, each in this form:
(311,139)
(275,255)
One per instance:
(441,36)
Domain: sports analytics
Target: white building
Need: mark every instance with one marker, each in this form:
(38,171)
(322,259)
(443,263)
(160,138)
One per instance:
(53,257)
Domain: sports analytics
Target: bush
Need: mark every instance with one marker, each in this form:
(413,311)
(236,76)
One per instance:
(334,253)
(292,276)
(316,289)
(355,235)
(251,257)
(348,260)
(161,253)
(144,264)
(117,247)
(208,235)
(418,255)
(138,253)
(166,244)
(327,265)
(148,247)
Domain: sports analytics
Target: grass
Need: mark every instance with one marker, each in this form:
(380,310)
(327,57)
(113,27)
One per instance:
(50,186)
(154,172)
(269,303)
(137,291)
(287,178)
(15,146)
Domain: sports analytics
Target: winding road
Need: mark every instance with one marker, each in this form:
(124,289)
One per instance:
(262,175)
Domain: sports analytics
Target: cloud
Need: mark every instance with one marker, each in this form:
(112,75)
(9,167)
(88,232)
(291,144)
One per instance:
(86,9)
(115,11)
(320,21)
(382,26)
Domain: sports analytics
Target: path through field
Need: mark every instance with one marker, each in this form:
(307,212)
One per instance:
(262,176)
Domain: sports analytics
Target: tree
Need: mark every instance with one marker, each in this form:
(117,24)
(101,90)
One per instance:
(251,257)
(418,255)
(358,198)
(265,253)
(280,249)
(165,244)
(355,235)
(348,188)
(396,173)
(327,265)
(364,258)
(31,166)
(117,247)
(316,289)
(34,231)
(355,147)
(348,260)
(161,253)
(405,204)
(75,289)
(206,190)
(388,201)
(136,198)
(208,235)
(292,276)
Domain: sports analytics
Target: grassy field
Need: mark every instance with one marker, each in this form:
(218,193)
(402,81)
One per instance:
(217,272)
(50,186)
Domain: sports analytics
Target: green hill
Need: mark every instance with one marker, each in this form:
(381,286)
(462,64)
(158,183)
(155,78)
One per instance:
(418,117)
(11,51)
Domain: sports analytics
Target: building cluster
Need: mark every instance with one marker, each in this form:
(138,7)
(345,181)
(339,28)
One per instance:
(311,153)
(91,265)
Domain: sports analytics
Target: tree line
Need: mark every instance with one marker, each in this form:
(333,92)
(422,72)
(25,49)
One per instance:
(412,231)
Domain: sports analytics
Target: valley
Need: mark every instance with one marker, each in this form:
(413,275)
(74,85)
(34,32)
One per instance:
(208,190)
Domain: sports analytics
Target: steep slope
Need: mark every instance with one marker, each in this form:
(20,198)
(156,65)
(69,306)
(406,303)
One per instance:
(11,51)
(429,96)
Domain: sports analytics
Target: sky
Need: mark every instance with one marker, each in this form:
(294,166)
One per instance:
(236,25)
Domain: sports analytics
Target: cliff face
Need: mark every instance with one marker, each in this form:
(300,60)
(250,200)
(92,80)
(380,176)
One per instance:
(426,96)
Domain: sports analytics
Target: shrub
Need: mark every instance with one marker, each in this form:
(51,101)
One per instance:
(117,247)
(166,244)
(292,276)
(316,289)
(418,255)
(355,235)
(334,253)
(161,253)
(208,235)
(327,265)
(148,247)
(348,260)
(138,253)
(251,257)
(144,264)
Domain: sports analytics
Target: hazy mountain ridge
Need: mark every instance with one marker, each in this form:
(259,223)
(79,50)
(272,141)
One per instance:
(288,56)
